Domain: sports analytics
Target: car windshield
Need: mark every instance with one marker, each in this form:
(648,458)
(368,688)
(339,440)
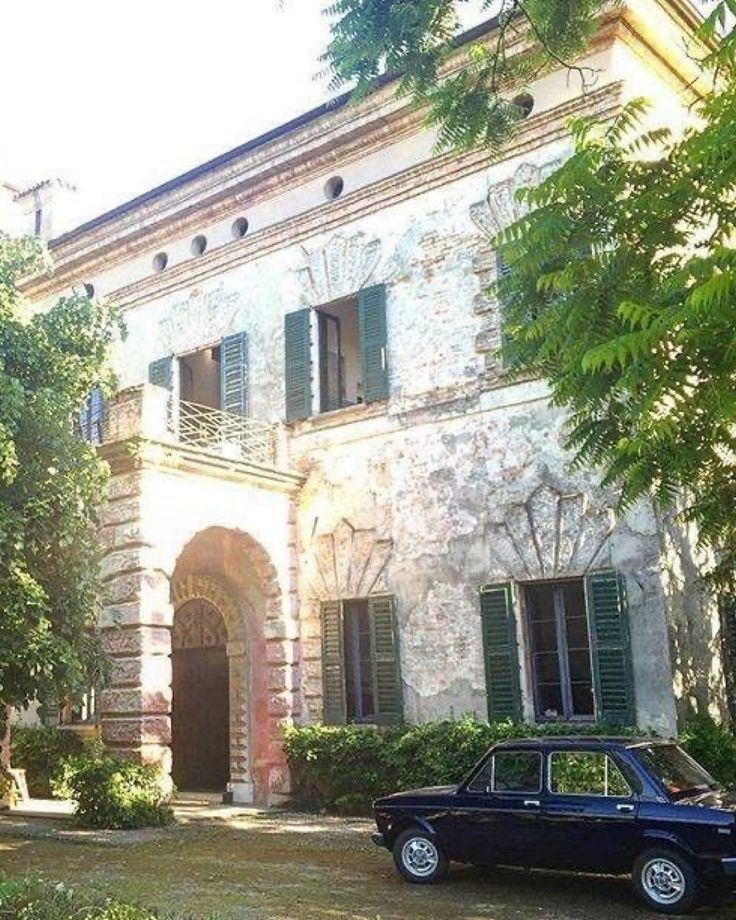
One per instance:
(676,770)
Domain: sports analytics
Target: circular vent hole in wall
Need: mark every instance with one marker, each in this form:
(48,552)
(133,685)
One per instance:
(525,102)
(239,228)
(160,261)
(199,244)
(334,187)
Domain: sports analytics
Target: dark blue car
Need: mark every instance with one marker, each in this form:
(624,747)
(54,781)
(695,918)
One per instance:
(609,805)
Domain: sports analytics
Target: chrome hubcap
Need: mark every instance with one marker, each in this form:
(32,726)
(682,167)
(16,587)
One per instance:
(663,881)
(420,856)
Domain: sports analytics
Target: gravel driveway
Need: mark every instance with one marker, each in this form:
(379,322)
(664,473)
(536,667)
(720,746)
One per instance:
(296,866)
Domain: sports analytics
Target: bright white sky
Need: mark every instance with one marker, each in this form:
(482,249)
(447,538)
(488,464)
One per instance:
(119,97)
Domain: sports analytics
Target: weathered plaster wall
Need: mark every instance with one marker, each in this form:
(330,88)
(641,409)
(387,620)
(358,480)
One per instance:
(447,505)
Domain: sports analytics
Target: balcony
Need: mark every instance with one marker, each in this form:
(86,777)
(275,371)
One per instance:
(152,414)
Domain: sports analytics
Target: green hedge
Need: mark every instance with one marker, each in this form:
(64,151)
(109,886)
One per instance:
(39,751)
(343,768)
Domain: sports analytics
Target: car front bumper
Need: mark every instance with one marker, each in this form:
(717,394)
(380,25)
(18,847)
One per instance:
(379,840)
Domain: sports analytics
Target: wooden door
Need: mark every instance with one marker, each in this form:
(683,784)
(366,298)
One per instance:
(200,714)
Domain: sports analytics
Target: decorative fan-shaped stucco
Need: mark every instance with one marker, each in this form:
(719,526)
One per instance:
(501,206)
(201,316)
(349,562)
(338,269)
(550,535)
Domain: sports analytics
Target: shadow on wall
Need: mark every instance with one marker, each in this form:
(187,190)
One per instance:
(694,623)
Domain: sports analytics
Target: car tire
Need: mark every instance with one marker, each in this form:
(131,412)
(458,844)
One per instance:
(419,857)
(665,881)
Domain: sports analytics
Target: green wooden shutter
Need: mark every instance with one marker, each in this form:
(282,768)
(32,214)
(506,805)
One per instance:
(372,332)
(234,373)
(160,372)
(385,655)
(608,622)
(501,654)
(503,270)
(333,664)
(298,355)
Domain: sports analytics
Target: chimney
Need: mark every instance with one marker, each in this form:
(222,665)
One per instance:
(48,208)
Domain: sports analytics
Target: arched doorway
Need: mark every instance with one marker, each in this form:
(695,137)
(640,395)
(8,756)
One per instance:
(200,718)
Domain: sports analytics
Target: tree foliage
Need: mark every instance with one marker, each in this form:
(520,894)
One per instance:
(622,293)
(622,281)
(51,483)
(471,100)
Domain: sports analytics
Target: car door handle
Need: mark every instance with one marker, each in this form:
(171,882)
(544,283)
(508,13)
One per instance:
(625,809)
(531,803)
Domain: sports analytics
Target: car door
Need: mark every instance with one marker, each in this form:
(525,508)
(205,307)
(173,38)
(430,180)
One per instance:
(497,815)
(589,813)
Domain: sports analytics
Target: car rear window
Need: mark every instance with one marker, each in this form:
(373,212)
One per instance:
(586,773)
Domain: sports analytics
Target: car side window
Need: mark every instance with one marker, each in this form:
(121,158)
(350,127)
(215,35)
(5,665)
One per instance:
(483,779)
(509,771)
(517,771)
(586,773)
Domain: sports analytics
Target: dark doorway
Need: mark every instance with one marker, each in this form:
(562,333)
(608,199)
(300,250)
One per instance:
(201,705)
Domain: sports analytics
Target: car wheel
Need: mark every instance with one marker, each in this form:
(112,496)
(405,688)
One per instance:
(665,881)
(419,858)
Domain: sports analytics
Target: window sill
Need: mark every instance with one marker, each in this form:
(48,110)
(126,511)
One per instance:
(338,417)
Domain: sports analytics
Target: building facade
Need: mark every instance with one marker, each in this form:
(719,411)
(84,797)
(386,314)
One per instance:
(328,500)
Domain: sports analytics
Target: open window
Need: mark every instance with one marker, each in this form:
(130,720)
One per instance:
(214,377)
(340,371)
(335,355)
(199,377)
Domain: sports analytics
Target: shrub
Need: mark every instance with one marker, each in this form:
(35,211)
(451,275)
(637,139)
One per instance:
(713,745)
(32,900)
(112,793)
(39,751)
(343,768)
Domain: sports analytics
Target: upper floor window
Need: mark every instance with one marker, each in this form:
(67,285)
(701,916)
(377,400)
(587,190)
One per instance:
(336,355)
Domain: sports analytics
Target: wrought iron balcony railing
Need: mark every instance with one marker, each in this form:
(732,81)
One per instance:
(152,412)
(234,436)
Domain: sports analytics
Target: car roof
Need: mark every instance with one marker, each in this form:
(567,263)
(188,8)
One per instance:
(579,741)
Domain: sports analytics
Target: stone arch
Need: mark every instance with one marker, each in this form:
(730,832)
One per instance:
(209,588)
(231,569)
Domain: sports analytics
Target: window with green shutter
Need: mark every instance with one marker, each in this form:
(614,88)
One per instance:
(234,373)
(298,364)
(373,340)
(351,342)
(608,618)
(160,372)
(498,624)
(360,661)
